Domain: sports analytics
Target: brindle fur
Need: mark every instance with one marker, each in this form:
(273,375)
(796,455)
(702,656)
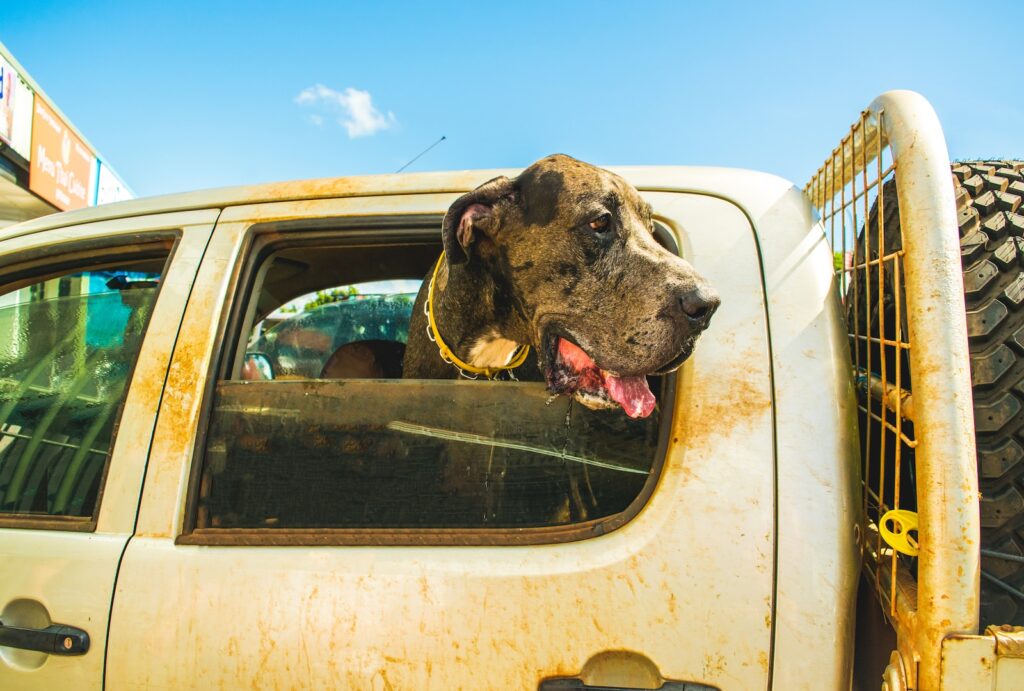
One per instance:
(523,263)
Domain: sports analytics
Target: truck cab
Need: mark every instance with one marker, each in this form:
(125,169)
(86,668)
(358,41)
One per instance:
(286,529)
(213,474)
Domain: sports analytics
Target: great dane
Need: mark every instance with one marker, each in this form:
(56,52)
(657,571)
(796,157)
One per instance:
(562,259)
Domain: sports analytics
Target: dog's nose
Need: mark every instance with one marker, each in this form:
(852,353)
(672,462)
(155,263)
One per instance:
(699,305)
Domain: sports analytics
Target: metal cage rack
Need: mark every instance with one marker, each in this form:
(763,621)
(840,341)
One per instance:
(886,201)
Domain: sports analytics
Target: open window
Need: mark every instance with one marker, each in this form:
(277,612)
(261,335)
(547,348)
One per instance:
(313,436)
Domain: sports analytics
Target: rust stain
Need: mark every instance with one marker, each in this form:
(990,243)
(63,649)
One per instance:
(742,398)
(149,386)
(714,665)
(369,185)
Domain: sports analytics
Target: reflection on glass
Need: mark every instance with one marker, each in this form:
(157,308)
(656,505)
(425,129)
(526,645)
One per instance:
(67,346)
(416,454)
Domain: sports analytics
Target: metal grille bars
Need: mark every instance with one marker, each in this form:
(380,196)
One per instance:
(901,278)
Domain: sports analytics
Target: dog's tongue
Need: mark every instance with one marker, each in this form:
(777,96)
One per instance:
(632,393)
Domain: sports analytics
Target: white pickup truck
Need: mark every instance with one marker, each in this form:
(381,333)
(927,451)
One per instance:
(212,474)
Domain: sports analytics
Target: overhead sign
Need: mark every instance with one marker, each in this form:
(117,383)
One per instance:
(15,110)
(111,188)
(61,166)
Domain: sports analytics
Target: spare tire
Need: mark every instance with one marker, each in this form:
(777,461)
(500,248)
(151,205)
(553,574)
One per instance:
(990,209)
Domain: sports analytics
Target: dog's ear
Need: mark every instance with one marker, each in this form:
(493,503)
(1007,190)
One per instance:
(471,212)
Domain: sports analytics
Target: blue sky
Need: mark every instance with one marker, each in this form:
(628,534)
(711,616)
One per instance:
(188,95)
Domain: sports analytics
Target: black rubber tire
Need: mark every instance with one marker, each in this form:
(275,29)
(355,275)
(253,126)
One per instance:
(990,204)
(990,207)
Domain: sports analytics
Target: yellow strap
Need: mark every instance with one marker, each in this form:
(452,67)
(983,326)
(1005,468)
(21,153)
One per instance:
(446,352)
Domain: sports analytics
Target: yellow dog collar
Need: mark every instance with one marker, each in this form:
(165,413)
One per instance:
(446,353)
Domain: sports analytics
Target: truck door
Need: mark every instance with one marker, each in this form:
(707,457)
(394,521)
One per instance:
(312,520)
(88,318)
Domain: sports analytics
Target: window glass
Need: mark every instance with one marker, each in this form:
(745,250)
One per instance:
(67,347)
(335,333)
(317,429)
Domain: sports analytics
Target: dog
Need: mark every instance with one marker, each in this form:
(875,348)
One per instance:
(562,259)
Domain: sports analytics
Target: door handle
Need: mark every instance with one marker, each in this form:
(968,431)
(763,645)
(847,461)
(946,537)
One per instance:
(56,639)
(566,684)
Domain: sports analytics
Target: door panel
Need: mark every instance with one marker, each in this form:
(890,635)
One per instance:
(58,556)
(668,591)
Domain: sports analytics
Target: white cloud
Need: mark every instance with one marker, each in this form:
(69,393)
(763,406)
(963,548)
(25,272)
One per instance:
(359,117)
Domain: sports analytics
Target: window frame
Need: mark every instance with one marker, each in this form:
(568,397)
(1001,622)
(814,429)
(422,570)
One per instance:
(261,240)
(23,268)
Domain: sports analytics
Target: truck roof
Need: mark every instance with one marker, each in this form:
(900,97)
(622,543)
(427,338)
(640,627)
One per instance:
(745,187)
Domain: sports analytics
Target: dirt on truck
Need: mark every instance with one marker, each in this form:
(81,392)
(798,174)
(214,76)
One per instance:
(213,473)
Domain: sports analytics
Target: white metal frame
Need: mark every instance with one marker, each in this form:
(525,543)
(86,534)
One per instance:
(945,598)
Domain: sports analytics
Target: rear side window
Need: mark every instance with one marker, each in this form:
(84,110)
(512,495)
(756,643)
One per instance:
(313,426)
(68,344)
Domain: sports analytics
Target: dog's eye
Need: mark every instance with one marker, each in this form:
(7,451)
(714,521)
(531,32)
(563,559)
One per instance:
(601,222)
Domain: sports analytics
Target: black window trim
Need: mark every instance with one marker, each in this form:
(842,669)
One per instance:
(262,239)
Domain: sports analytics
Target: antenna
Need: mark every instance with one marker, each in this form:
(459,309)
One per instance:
(413,159)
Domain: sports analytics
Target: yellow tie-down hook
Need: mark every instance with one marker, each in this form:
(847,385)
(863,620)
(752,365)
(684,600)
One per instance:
(896,527)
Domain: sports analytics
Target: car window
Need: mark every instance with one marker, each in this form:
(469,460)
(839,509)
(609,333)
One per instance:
(315,426)
(344,332)
(67,347)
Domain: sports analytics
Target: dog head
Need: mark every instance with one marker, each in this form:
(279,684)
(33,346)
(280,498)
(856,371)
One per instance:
(571,247)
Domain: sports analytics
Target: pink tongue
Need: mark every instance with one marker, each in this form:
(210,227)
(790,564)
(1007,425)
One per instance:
(632,393)
(575,356)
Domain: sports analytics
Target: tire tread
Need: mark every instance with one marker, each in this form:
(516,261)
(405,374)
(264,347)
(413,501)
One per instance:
(990,213)
(996,342)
